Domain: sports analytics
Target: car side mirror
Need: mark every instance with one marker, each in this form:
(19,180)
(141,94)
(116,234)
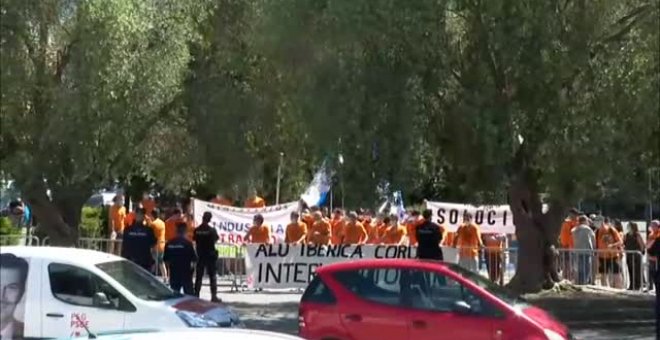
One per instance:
(461,307)
(101,300)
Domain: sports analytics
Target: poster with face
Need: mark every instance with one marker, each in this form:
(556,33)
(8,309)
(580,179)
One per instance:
(13,279)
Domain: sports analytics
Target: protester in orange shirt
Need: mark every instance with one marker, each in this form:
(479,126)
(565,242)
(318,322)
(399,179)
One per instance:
(148,203)
(308,217)
(116,224)
(373,230)
(354,232)
(448,238)
(394,233)
(171,223)
(609,243)
(296,231)
(258,233)
(221,200)
(158,227)
(468,239)
(321,232)
(130,217)
(565,236)
(414,221)
(337,224)
(495,244)
(255,201)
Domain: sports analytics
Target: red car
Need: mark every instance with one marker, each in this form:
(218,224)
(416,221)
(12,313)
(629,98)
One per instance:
(416,299)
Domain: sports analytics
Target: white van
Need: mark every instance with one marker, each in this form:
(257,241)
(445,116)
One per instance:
(64,292)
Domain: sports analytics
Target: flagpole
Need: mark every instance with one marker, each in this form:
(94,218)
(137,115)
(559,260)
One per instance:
(279,179)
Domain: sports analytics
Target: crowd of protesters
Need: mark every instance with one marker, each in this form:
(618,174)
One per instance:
(590,248)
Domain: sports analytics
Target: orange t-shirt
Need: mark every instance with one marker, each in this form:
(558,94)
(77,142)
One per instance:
(309,220)
(394,234)
(448,238)
(149,205)
(117,218)
(257,202)
(259,234)
(294,231)
(565,235)
(468,240)
(129,219)
(372,231)
(494,242)
(337,225)
(324,230)
(354,233)
(170,227)
(605,236)
(412,230)
(222,201)
(159,231)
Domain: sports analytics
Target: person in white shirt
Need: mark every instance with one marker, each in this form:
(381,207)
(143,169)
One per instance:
(584,242)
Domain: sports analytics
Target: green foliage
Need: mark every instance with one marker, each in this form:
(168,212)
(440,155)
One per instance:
(9,235)
(93,222)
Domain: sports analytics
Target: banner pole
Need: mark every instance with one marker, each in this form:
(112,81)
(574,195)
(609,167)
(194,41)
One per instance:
(279,179)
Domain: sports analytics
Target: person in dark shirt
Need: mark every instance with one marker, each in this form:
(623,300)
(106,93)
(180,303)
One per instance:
(205,238)
(138,242)
(654,250)
(180,257)
(429,236)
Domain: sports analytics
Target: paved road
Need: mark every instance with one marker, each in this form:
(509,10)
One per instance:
(278,311)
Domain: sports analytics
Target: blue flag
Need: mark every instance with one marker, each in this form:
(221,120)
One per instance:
(317,191)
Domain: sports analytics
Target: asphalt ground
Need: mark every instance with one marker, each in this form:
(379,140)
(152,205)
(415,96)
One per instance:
(278,311)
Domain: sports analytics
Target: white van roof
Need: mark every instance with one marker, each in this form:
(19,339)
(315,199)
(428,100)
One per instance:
(81,256)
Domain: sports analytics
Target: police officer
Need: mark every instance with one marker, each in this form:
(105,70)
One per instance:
(205,238)
(138,241)
(180,257)
(429,236)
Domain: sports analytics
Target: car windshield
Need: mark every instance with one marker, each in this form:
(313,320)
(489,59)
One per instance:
(502,293)
(137,280)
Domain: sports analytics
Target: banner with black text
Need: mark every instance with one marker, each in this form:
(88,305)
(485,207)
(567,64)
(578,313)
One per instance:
(279,266)
(490,218)
(232,223)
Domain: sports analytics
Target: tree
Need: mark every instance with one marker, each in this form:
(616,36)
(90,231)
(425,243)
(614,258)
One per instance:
(550,93)
(83,83)
(508,100)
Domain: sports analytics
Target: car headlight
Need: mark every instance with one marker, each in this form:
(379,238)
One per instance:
(552,335)
(195,320)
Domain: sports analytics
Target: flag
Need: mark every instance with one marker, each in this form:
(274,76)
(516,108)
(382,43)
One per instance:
(318,189)
(397,205)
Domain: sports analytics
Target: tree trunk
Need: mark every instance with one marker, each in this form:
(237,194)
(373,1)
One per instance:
(537,232)
(58,219)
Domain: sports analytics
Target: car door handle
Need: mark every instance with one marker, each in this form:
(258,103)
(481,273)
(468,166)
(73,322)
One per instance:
(354,317)
(55,315)
(419,324)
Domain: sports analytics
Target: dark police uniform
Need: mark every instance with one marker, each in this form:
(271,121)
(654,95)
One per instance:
(137,243)
(180,255)
(429,236)
(205,238)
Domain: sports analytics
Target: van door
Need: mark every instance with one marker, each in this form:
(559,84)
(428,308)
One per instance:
(71,302)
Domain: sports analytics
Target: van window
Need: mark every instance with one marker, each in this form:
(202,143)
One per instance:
(77,286)
(138,281)
(318,292)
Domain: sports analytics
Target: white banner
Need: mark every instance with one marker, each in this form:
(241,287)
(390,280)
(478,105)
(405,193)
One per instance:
(279,266)
(232,223)
(490,218)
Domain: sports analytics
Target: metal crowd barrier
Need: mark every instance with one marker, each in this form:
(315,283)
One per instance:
(231,265)
(19,240)
(621,269)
